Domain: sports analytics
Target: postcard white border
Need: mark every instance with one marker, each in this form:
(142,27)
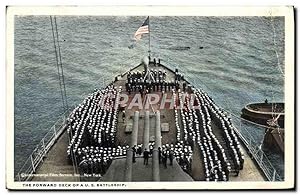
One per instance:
(286,11)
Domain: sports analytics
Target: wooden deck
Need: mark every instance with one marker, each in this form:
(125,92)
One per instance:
(56,165)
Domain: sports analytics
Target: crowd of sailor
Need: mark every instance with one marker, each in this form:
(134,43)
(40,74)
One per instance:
(183,154)
(180,151)
(96,160)
(93,123)
(177,121)
(195,126)
(154,80)
(225,123)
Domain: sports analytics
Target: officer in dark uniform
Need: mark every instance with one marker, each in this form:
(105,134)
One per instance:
(180,161)
(171,157)
(146,157)
(133,153)
(151,149)
(143,85)
(176,85)
(139,150)
(128,77)
(184,86)
(159,155)
(90,165)
(164,159)
(102,168)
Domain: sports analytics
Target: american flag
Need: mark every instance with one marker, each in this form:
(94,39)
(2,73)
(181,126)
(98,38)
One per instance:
(144,29)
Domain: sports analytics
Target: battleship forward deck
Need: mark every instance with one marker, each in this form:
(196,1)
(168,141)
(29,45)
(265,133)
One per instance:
(149,110)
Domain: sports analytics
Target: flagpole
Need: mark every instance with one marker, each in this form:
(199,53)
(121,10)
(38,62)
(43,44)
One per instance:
(149,36)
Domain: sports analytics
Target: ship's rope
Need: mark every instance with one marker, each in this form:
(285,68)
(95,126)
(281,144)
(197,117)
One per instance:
(57,62)
(61,65)
(60,74)
(275,45)
(279,67)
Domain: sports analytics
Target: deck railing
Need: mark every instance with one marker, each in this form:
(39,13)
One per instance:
(254,147)
(40,151)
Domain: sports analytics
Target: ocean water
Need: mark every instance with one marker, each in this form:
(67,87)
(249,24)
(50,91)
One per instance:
(236,66)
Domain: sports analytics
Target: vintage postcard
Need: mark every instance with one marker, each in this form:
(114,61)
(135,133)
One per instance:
(150,97)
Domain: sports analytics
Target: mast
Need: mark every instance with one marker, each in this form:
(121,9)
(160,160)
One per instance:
(149,36)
